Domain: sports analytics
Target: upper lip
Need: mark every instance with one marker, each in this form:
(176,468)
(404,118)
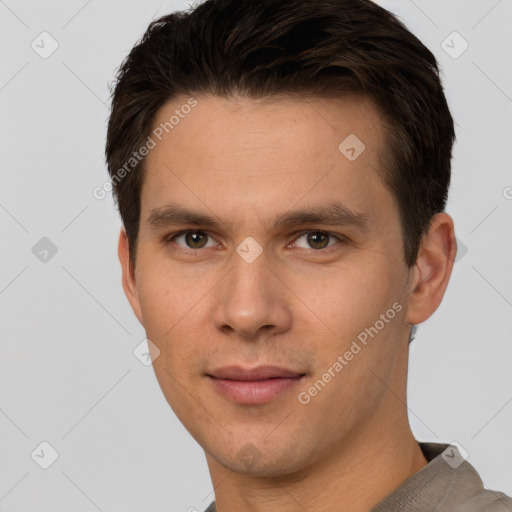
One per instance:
(250,374)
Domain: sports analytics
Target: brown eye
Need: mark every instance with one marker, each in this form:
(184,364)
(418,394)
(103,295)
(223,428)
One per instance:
(196,239)
(193,239)
(317,240)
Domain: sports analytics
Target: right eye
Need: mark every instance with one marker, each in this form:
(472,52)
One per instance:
(194,239)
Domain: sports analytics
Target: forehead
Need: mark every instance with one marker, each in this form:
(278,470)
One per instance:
(264,152)
(223,125)
(356,109)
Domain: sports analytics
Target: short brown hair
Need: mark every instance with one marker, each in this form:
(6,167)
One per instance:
(324,49)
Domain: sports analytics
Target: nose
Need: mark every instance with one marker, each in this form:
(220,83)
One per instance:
(252,300)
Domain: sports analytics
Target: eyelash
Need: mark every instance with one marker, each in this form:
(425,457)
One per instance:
(170,238)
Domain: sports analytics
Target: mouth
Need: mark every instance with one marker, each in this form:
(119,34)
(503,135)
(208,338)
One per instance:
(254,386)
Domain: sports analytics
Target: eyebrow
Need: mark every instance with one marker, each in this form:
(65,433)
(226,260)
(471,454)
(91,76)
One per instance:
(332,214)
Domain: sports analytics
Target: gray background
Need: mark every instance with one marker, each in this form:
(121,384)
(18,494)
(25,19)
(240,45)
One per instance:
(68,373)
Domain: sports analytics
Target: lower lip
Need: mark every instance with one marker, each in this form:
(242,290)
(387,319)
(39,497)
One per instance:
(256,391)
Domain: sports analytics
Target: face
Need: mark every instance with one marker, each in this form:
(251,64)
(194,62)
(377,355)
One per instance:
(270,275)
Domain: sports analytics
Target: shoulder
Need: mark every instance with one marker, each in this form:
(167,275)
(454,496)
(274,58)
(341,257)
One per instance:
(465,491)
(477,498)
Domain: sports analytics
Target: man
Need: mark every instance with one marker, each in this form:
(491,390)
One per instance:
(281,169)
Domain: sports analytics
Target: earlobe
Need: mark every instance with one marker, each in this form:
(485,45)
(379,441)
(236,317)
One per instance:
(433,269)
(128,275)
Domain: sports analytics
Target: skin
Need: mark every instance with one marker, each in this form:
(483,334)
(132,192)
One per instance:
(245,161)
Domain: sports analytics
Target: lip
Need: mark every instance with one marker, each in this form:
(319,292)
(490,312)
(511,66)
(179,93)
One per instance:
(254,385)
(252,374)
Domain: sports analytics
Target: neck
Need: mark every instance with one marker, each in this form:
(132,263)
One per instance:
(354,477)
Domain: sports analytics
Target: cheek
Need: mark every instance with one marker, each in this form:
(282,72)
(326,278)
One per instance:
(173,311)
(347,300)
(157,303)
(160,307)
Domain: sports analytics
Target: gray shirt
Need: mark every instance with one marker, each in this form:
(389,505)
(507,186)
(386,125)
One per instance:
(448,483)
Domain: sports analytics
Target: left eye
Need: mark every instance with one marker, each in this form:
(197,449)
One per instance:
(317,239)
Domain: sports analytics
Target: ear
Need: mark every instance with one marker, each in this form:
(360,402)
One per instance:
(433,269)
(128,275)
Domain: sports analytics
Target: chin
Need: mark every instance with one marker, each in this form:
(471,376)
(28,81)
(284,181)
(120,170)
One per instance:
(251,461)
